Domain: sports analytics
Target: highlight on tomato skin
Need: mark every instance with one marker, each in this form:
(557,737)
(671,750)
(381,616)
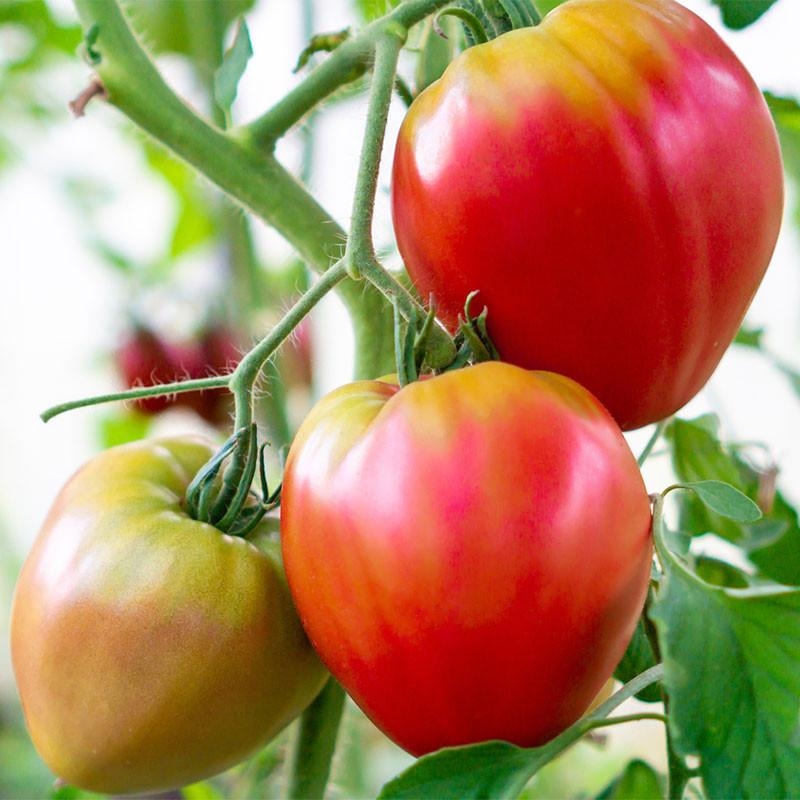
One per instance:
(151,650)
(610,182)
(478,542)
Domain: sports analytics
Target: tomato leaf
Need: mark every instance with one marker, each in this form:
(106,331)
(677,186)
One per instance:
(749,337)
(234,63)
(725,500)
(771,543)
(495,769)
(638,781)
(730,668)
(639,657)
(738,14)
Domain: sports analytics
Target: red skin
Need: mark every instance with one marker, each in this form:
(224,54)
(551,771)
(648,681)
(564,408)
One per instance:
(611,183)
(469,554)
(145,359)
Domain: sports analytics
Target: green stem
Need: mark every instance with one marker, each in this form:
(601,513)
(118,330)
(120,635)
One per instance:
(314,747)
(159,390)
(652,441)
(244,377)
(678,774)
(360,253)
(347,63)
(359,246)
(246,373)
(254,180)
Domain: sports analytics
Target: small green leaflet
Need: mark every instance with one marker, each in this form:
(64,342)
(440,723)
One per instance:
(234,63)
(731,670)
(495,769)
(639,781)
(771,543)
(738,14)
(725,500)
(749,337)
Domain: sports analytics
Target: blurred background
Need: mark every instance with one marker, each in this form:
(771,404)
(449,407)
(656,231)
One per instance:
(117,265)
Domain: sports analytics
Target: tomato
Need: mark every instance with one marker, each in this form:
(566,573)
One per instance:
(610,182)
(151,650)
(469,554)
(145,358)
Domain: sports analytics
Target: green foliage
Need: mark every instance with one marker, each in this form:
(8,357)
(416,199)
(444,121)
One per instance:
(639,657)
(194,221)
(372,9)
(227,77)
(771,543)
(730,669)
(174,26)
(786,113)
(123,426)
(47,34)
(495,769)
(725,500)
(738,14)
(546,6)
(639,781)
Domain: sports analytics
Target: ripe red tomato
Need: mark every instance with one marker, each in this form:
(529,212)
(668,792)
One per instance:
(610,182)
(151,650)
(469,554)
(145,358)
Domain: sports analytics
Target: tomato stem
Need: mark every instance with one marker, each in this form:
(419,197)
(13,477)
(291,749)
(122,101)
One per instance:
(159,390)
(310,763)
(652,441)
(231,161)
(359,245)
(347,63)
(360,252)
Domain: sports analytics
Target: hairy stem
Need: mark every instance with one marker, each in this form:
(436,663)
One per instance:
(159,390)
(360,253)
(251,178)
(347,63)
(246,374)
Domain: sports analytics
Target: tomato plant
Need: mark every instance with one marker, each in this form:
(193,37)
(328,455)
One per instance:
(152,650)
(610,182)
(469,545)
(477,541)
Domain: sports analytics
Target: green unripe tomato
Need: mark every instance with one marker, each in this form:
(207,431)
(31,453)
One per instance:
(152,650)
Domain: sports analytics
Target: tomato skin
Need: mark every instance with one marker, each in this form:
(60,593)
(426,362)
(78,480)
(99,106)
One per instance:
(469,554)
(610,182)
(151,650)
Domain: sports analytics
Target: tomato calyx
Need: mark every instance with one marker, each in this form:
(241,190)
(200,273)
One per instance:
(228,502)
(487,19)
(472,341)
